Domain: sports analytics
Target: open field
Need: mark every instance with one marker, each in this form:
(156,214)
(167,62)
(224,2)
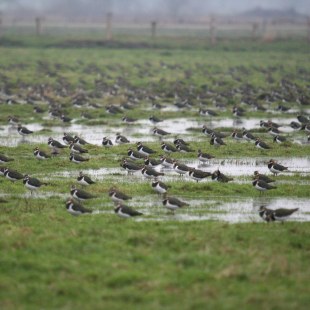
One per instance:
(215,253)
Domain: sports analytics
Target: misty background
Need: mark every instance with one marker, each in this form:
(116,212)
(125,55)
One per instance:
(93,10)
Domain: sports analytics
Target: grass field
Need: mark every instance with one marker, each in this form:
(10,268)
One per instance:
(52,260)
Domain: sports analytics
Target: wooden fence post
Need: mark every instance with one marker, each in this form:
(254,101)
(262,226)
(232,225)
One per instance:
(109,26)
(153,29)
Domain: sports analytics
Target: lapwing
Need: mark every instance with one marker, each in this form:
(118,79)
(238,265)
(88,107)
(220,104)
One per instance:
(217,141)
(262,177)
(4,159)
(204,157)
(168,148)
(160,187)
(184,148)
(67,138)
(166,162)
(41,155)
(270,215)
(276,168)
(130,167)
(207,131)
(306,127)
(181,169)
(118,196)
(120,139)
(207,112)
(198,175)
(80,194)
(80,141)
(248,136)
(261,144)
(135,155)
(75,148)
(32,183)
(237,135)
(151,162)
(78,159)
(65,119)
(23,131)
(144,150)
(128,120)
(220,177)
(173,203)
(279,139)
(154,119)
(107,142)
(295,125)
(262,186)
(85,180)
(75,208)
(303,119)
(150,173)
(178,141)
(12,175)
(13,120)
(160,132)
(55,144)
(274,131)
(125,211)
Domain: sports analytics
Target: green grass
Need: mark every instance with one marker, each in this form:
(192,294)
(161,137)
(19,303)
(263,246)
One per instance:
(52,260)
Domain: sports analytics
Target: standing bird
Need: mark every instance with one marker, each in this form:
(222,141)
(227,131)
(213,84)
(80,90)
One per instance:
(76,148)
(12,175)
(67,138)
(4,159)
(276,168)
(23,131)
(262,186)
(149,172)
(32,183)
(85,180)
(121,139)
(173,203)
(107,142)
(160,132)
(125,211)
(217,141)
(75,158)
(262,177)
(118,196)
(160,187)
(220,177)
(261,144)
(55,144)
(41,155)
(75,208)
(198,175)
(144,150)
(204,157)
(270,215)
(79,194)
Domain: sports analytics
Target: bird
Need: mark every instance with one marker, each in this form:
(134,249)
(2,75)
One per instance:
(85,180)
(262,177)
(248,136)
(55,144)
(118,196)
(75,208)
(125,211)
(262,186)
(261,144)
(13,120)
(144,150)
(198,175)
(65,118)
(76,158)
(130,167)
(67,138)
(75,148)
(4,159)
(274,131)
(204,157)
(160,187)
(180,141)
(12,175)
(154,119)
(41,155)
(276,168)
(173,203)
(22,130)
(135,155)
(217,141)
(168,148)
(180,168)
(107,142)
(281,214)
(80,194)
(207,131)
(237,135)
(184,148)
(149,172)
(121,139)
(160,132)
(79,141)
(166,162)
(32,183)
(220,177)
(207,112)
(129,120)
(279,139)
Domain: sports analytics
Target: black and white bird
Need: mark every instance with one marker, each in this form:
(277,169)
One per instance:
(12,175)
(261,144)
(184,148)
(220,177)
(135,155)
(130,166)
(23,131)
(120,139)
(217,141)
(80,141)
(55,144)
(262,186)
(118,196)
(107,142)
(168,148)
(248,136)
(4,159)
(198,175)
(279,139)
(166,162)
(274,131)
(80,194)
(160,187)
(13,120)
(262,177)
(270,215)
(75,148)
(204,157)
(154,119)
(85,180)
(32,184)
(41,155)
(237,135)
(67,138)
(129,120)
(181,169)
(151,162)
(173,203)
(125,211)
(78,159)
(144,150)
(276,168)
(207,112)
(160,132)
(75,208)
(150,173)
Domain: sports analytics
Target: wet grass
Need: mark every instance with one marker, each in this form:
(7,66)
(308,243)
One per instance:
(51,260)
